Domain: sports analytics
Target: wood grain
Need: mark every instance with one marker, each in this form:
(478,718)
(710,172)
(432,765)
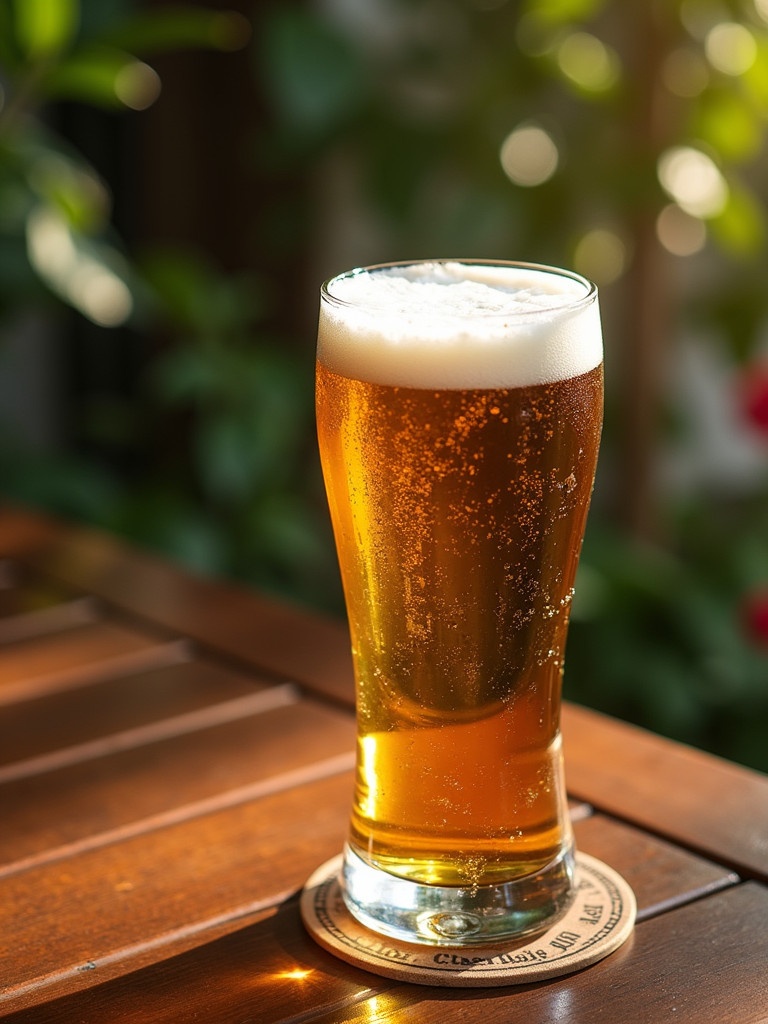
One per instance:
(158,820)
(681,966)
(703,962)
(61,720)
(63,659)
(51,618)
(262,633)
(143,880)
(692,798)
(112,901)
(661,874)
(92,799)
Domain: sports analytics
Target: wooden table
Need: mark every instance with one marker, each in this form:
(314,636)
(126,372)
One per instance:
(176,760)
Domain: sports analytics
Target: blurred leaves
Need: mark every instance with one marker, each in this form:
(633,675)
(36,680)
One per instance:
(64,484)
(315,76)
(741,227)
(45,27)
(563,12)
(663,640)
(247,408)
(57,49)
(54,210)
(658,634)
(397,112)
(222,425)
(64,184)
(181,27)
(733,128)
(104,77)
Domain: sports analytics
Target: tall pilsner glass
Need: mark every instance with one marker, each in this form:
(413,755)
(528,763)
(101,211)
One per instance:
(459,408)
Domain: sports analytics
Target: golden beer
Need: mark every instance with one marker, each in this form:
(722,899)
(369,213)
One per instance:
(458,514)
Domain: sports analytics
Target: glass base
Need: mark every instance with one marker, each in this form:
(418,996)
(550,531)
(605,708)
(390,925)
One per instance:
(440,915)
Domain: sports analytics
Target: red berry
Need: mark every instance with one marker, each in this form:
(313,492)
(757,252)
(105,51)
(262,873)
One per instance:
(755,397)
(755,611)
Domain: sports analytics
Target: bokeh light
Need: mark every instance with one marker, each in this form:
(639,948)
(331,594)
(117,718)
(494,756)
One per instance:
(78,276)
(601,255)
(730,48)
(679,232)
(137,85)
(529,155)
(693,180)
(588,62)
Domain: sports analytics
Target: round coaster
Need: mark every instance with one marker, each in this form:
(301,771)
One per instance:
(599,920)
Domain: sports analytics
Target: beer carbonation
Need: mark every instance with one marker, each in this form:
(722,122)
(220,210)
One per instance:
(459,463)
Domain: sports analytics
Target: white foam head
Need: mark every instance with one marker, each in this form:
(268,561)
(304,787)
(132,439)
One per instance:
(459,325)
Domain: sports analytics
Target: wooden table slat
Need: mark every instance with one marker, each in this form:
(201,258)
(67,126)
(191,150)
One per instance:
(241,709)
(238,622)
(52,618)
(33,728)
(661,874)
(73,657)
(93,798)
(658,785)
(111,901)
(294,832)
(703,962)
(681,966)
(166,788)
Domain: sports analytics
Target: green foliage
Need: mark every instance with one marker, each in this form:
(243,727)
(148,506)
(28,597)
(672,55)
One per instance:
(45,27)
(660,636)
(54,209)
(662,639)
(222,428)
(175,28)
(412,104)
(236,499)
(315,74)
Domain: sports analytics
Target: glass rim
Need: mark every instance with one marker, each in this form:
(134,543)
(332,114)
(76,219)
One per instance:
(574,303)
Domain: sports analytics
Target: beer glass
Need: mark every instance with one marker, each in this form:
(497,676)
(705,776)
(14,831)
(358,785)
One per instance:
(459,409)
